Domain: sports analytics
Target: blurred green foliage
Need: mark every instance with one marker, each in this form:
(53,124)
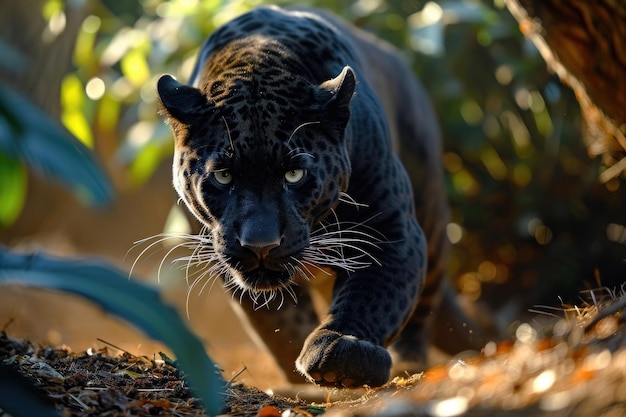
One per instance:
(129,299)
(29,137)
(528,209)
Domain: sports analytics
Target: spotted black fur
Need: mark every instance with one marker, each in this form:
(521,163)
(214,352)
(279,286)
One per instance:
(285,153)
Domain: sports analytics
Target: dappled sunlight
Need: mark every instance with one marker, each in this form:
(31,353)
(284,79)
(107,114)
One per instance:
(530,219)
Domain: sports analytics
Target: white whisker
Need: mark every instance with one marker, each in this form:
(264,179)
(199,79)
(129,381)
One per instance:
(300,127)
(303,271)
(160,238)
(291,293)
(346,198)
(230,139)
(330,243)
(341,246)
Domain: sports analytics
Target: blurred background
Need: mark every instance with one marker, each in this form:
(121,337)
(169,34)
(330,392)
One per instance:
(532,223)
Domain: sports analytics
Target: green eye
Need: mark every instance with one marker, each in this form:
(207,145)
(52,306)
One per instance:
(223,177)
(294,176)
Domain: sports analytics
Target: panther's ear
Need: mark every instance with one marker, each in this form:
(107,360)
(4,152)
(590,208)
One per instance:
(337,108)
(180,101)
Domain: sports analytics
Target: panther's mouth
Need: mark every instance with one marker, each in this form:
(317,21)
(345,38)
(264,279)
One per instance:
(263,278)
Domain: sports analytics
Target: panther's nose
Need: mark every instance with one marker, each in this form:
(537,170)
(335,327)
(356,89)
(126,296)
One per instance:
(260,230)
(260,248)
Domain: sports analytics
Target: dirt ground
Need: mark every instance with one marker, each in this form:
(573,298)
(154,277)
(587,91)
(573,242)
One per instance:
(574,367)
(66,321)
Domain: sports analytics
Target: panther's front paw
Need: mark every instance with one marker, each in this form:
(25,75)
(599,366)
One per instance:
(332,359)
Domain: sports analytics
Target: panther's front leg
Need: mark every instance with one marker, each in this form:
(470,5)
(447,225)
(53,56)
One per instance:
(368,309)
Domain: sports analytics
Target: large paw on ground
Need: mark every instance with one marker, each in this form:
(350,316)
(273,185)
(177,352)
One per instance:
(332,359)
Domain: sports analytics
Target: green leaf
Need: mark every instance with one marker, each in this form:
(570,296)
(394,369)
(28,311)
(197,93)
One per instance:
(146,162)
(49,149)
(73,99)
(135,67)
(13,186)
(128,299)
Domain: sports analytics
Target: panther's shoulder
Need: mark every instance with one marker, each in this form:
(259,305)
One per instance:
(321,46)
(314,27)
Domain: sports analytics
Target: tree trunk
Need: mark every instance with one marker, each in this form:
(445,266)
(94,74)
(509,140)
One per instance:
(46,49)
(584,42)
(52,216)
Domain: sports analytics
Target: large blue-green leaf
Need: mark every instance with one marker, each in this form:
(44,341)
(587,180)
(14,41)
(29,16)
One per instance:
(48,148)
(19,398)
(11,59)
(132,301)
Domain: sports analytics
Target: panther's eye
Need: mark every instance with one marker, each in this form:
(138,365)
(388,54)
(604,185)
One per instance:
(223,177)
(294,176)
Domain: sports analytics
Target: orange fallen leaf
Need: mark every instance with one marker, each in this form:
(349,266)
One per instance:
(505,347)
(436,374)
(268,411)
(545,344)
(582,375)
(162,403)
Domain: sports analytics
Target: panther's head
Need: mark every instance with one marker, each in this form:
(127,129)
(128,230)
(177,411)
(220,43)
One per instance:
(261,160)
